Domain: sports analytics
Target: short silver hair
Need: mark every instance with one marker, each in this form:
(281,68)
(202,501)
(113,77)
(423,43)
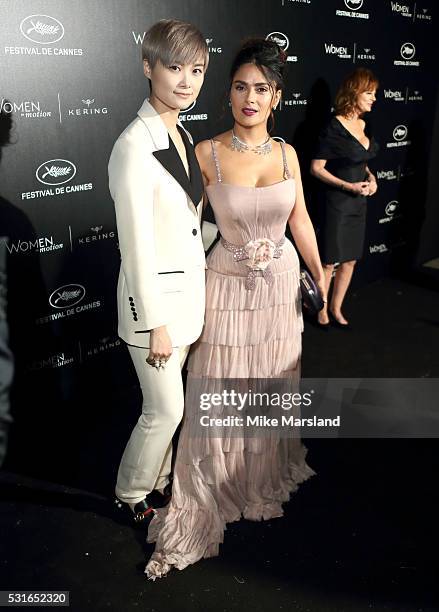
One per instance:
(174,42)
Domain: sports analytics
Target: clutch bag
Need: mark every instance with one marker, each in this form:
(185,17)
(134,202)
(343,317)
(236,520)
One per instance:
(311,295)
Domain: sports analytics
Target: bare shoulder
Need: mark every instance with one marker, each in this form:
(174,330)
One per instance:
(202,149)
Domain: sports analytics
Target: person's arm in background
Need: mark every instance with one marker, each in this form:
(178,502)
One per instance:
(319,171)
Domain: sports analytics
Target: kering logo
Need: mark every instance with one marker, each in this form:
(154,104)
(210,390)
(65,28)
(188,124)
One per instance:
(400,132)
(27,108)
(280,39)
(423,16)
(102,345)
(67,296)
(353,5)
(366,54)
(395,95)
(96,235)
(416,96)
(42,29)
(88,110)
(55,172)
(408,51)
(296,100)
(211,48)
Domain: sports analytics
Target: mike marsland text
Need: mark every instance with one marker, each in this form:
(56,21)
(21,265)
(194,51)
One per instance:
(264,421)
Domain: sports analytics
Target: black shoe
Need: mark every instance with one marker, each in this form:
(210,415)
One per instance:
(156,499)
(338,325)
(323,326)
(142,513)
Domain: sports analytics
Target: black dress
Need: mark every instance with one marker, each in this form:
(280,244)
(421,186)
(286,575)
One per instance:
(344,216)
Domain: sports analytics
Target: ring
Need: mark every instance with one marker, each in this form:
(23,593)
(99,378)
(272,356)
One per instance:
(162,363)
(157,364)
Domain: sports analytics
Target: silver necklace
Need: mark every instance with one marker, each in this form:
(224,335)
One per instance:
(242,147)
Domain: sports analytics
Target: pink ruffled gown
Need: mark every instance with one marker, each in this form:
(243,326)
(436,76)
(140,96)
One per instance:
(248,334)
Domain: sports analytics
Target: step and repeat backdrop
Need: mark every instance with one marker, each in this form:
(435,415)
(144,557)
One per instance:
(71,80)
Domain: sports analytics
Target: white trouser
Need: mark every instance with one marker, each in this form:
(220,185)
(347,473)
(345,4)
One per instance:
(146,461)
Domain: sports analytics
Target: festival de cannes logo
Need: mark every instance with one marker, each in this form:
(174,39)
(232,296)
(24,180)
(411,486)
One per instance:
(186,115)
(408,51)
(42,29)
(353,5)
(391,208)
(189,108)
(391,212)
(67,295)
(56,172)
(280,39)
(400,132)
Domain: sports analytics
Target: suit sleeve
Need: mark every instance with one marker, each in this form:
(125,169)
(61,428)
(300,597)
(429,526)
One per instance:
(133,194)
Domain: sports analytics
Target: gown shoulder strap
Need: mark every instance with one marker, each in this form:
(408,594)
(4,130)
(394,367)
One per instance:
(287,172)
(216,161)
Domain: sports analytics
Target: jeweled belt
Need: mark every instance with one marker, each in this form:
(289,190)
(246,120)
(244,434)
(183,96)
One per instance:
(260,253)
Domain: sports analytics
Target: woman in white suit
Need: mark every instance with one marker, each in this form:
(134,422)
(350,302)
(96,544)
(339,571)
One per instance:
(156,185)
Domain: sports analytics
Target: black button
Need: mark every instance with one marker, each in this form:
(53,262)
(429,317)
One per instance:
(194,232)
(131,299)
(133,309)
(135,317)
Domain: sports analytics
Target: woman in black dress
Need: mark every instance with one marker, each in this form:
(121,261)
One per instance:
(341,159)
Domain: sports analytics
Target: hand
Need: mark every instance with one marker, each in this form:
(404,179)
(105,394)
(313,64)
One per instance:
(373,186)
(161,345)
(361,188)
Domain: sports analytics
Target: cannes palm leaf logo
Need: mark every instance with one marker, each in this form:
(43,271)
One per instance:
(56,171)
(42,28)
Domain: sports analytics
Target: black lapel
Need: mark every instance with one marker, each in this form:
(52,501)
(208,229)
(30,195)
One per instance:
(196,179)
(170,160)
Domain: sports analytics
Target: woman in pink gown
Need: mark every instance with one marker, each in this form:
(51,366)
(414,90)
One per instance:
(253,324)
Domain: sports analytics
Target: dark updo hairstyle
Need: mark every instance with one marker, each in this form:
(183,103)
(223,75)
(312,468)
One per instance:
(268,57)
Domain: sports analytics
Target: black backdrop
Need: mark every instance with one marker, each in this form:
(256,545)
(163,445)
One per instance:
(71,77)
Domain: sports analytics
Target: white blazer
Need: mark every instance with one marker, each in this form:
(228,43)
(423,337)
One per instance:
(162,273)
